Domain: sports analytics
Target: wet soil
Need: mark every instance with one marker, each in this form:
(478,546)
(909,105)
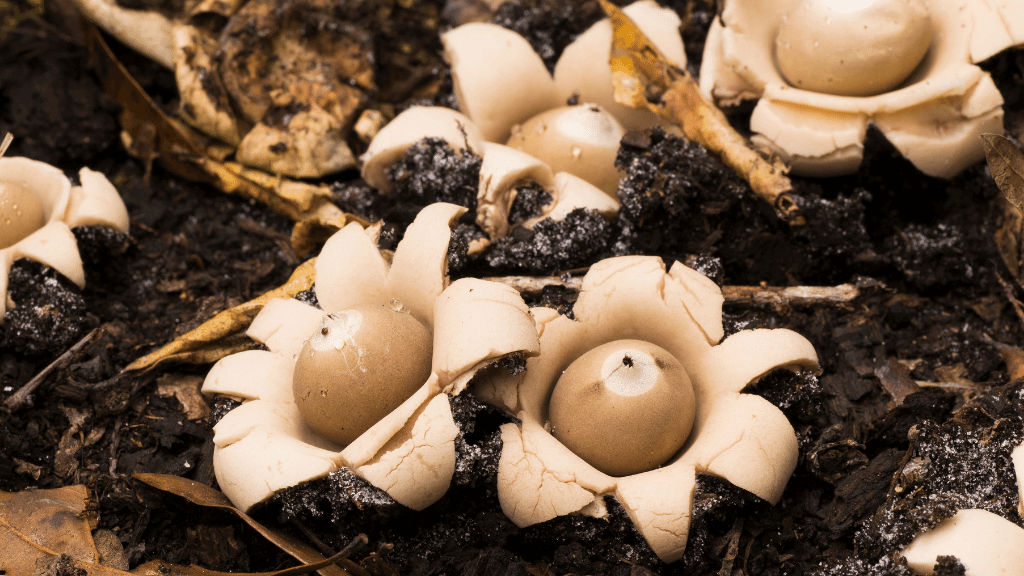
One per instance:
(912,419)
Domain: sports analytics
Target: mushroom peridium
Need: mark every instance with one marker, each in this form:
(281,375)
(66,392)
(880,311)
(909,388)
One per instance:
(360,364)
(625,407)
(852,48)
(582,140)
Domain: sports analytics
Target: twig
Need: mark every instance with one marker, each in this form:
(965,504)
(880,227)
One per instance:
(737,295)
(4,145)
(21,398)
(356,543)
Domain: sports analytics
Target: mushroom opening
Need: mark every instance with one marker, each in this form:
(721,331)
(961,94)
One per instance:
(358,367)
(21,213)
(624,407)
(845,48)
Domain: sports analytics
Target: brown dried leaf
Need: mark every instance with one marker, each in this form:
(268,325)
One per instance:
(641,75)
(210,341)
(896,380)
(1006,162)
(186,389)
(203,495)
(38,524)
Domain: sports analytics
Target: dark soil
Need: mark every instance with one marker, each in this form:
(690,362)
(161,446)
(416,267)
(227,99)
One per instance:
(912,419)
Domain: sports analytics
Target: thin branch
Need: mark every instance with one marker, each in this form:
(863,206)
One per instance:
(20,398)
(737,295)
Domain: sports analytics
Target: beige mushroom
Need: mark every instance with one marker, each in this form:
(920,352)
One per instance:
(408,128)
(407,447)
(739,437)
(581,140)
(933,117)
(625,407)
(498,79)
(985,543)
(362,362)
(38,208)
(583,68)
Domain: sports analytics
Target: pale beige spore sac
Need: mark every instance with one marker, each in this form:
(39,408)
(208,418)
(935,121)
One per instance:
(21,213)
(852,47)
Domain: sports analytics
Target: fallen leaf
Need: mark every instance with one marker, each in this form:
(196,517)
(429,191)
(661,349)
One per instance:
(186,389)
(217,337)
(643,78)
(203,495)
(1006,162)
(38,524)
(896,380)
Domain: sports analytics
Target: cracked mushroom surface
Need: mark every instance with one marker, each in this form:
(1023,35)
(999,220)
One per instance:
(403,441)
(38,209)
(644,320)
(822,70)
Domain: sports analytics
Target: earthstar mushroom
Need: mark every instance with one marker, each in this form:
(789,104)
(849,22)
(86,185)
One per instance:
(934,116)
(740,437)
(266,444)
(38,208)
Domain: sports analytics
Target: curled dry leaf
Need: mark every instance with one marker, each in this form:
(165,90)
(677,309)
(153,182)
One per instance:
(203,495)
(641,74)
(151,134)
(214,339)
(1006,162)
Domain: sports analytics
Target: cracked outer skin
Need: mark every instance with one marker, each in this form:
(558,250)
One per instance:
(264,445)
(934,118)
(987,544)
(739,437)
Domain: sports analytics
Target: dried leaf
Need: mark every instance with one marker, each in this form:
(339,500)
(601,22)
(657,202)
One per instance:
(186,389)
(1009,238)
(38,524)
(210,341)
(643,78)
(203,495)
(1006,162)
(896,380)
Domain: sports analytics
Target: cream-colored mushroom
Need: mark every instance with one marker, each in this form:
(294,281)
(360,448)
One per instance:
(38,208)
(408,128)
(933,117)
(848,48)
(583,67)
(266,444)
(498,79)
(362,362)
(625,407)
(581,140)
(739,437)
(985,543)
